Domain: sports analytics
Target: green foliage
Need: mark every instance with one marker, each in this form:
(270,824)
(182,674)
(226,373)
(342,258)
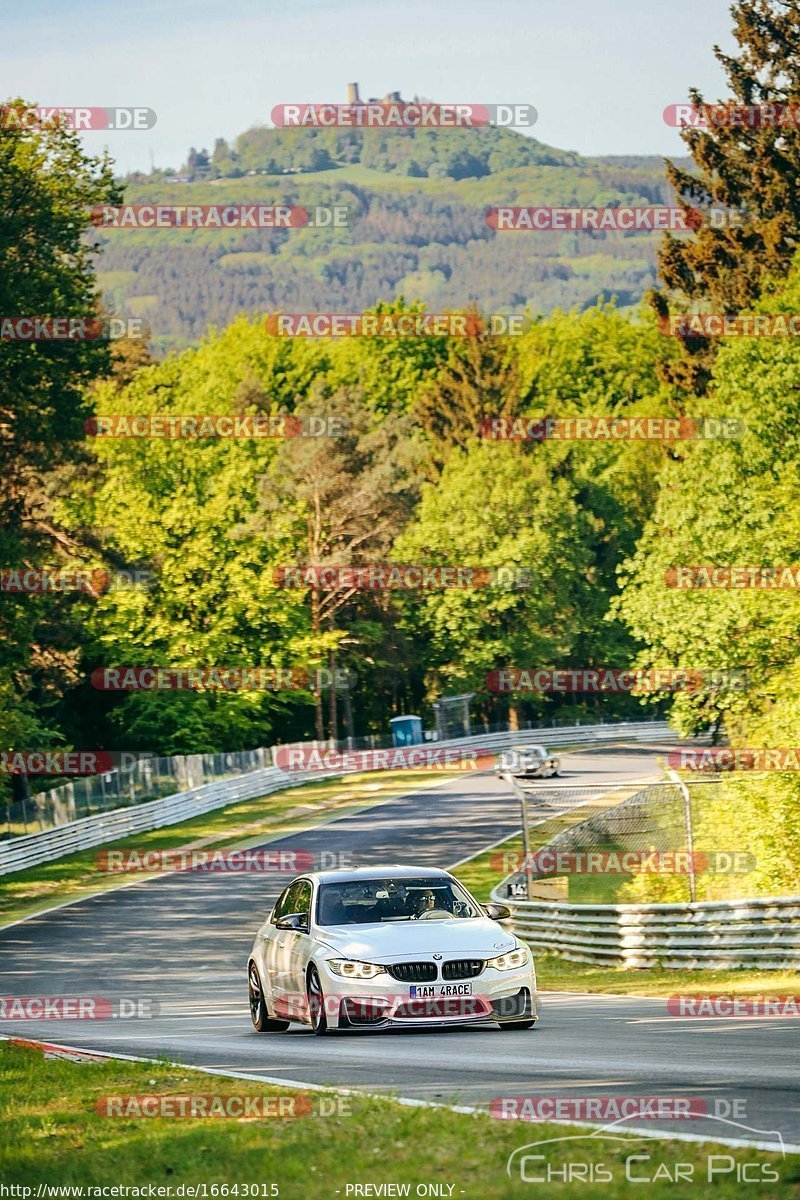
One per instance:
(727,502)
(181,507)
(496,507)
(750,167)
(422,236)
(47,185)
(456,153)
(749,171)
(734,503)
(211,519)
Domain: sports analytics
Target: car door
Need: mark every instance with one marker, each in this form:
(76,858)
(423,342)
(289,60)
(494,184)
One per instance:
(299,945)
(276,950)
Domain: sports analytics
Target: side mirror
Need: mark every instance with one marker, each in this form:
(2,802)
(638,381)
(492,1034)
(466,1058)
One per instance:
(297,922)
(495,912)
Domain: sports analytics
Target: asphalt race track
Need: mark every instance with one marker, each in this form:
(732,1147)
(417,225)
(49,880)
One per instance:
(182,940)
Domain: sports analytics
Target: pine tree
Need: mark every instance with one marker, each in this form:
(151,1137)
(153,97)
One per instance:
(478,380)
(750,169)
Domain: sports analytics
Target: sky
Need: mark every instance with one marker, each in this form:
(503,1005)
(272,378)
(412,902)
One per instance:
(599,72)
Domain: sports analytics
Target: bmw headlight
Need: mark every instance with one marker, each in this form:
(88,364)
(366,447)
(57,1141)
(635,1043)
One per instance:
(510,961)
(355,970)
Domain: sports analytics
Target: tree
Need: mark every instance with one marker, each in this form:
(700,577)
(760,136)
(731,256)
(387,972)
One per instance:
(729,502)
(180,507)
(389,371)
(496,507)
(47,187)
(478,380)
(197,161)
(221,151)
(340,501)
(750,169)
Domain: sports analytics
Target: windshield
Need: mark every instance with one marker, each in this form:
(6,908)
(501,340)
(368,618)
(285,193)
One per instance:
(370,901)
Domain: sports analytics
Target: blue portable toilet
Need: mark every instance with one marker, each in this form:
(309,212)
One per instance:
(406,731)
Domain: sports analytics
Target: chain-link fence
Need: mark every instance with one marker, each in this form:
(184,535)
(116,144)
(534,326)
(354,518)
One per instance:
(684,873)
(477,728)
(143,780)
(627,842)
(151,778)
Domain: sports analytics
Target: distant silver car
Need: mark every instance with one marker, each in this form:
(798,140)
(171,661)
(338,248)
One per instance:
(528,762)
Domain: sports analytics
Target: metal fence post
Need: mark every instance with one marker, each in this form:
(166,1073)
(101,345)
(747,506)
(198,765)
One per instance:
(687,814)
(526,842)
(526,846)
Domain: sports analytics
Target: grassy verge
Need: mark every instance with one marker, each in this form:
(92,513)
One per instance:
(55,1135)
(485,870)
(235,827)
(556,974)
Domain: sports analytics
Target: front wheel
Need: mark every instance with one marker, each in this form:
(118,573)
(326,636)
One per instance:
(259,1014)
(316,1003)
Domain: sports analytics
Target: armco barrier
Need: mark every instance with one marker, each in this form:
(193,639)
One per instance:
(714,934)
(35,848)
(32,849)
(494,742)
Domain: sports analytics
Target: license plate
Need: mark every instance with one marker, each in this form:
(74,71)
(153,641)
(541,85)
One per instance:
(434,991)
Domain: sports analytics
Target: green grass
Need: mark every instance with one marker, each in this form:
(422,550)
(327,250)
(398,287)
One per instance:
(556,974)
(481,876)
(602,887)
(53,1134)
(235,827)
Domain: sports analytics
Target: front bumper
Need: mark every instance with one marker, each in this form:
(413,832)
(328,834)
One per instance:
(383,1001)
(538,770)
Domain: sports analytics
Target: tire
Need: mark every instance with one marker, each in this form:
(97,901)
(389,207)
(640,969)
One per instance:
(526,1020)
(259,1014)
(316,1002)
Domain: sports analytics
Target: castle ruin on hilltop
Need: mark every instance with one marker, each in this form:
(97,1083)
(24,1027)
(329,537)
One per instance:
(390,97)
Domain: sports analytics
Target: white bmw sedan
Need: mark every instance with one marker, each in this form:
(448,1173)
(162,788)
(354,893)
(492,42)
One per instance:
(382,947)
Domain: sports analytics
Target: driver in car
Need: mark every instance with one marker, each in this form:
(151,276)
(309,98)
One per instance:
(427,900)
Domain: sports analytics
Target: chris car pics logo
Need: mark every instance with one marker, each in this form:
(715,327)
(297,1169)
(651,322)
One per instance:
(580,1158)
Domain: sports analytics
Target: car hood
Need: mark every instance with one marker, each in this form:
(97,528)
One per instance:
(396,940)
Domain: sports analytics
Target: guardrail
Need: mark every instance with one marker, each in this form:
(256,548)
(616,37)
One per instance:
(711,934)
(759,932)
(36,848)
(32,849)
(629,731)
(136,779)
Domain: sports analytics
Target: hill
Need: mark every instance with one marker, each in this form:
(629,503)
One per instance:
(417,228)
